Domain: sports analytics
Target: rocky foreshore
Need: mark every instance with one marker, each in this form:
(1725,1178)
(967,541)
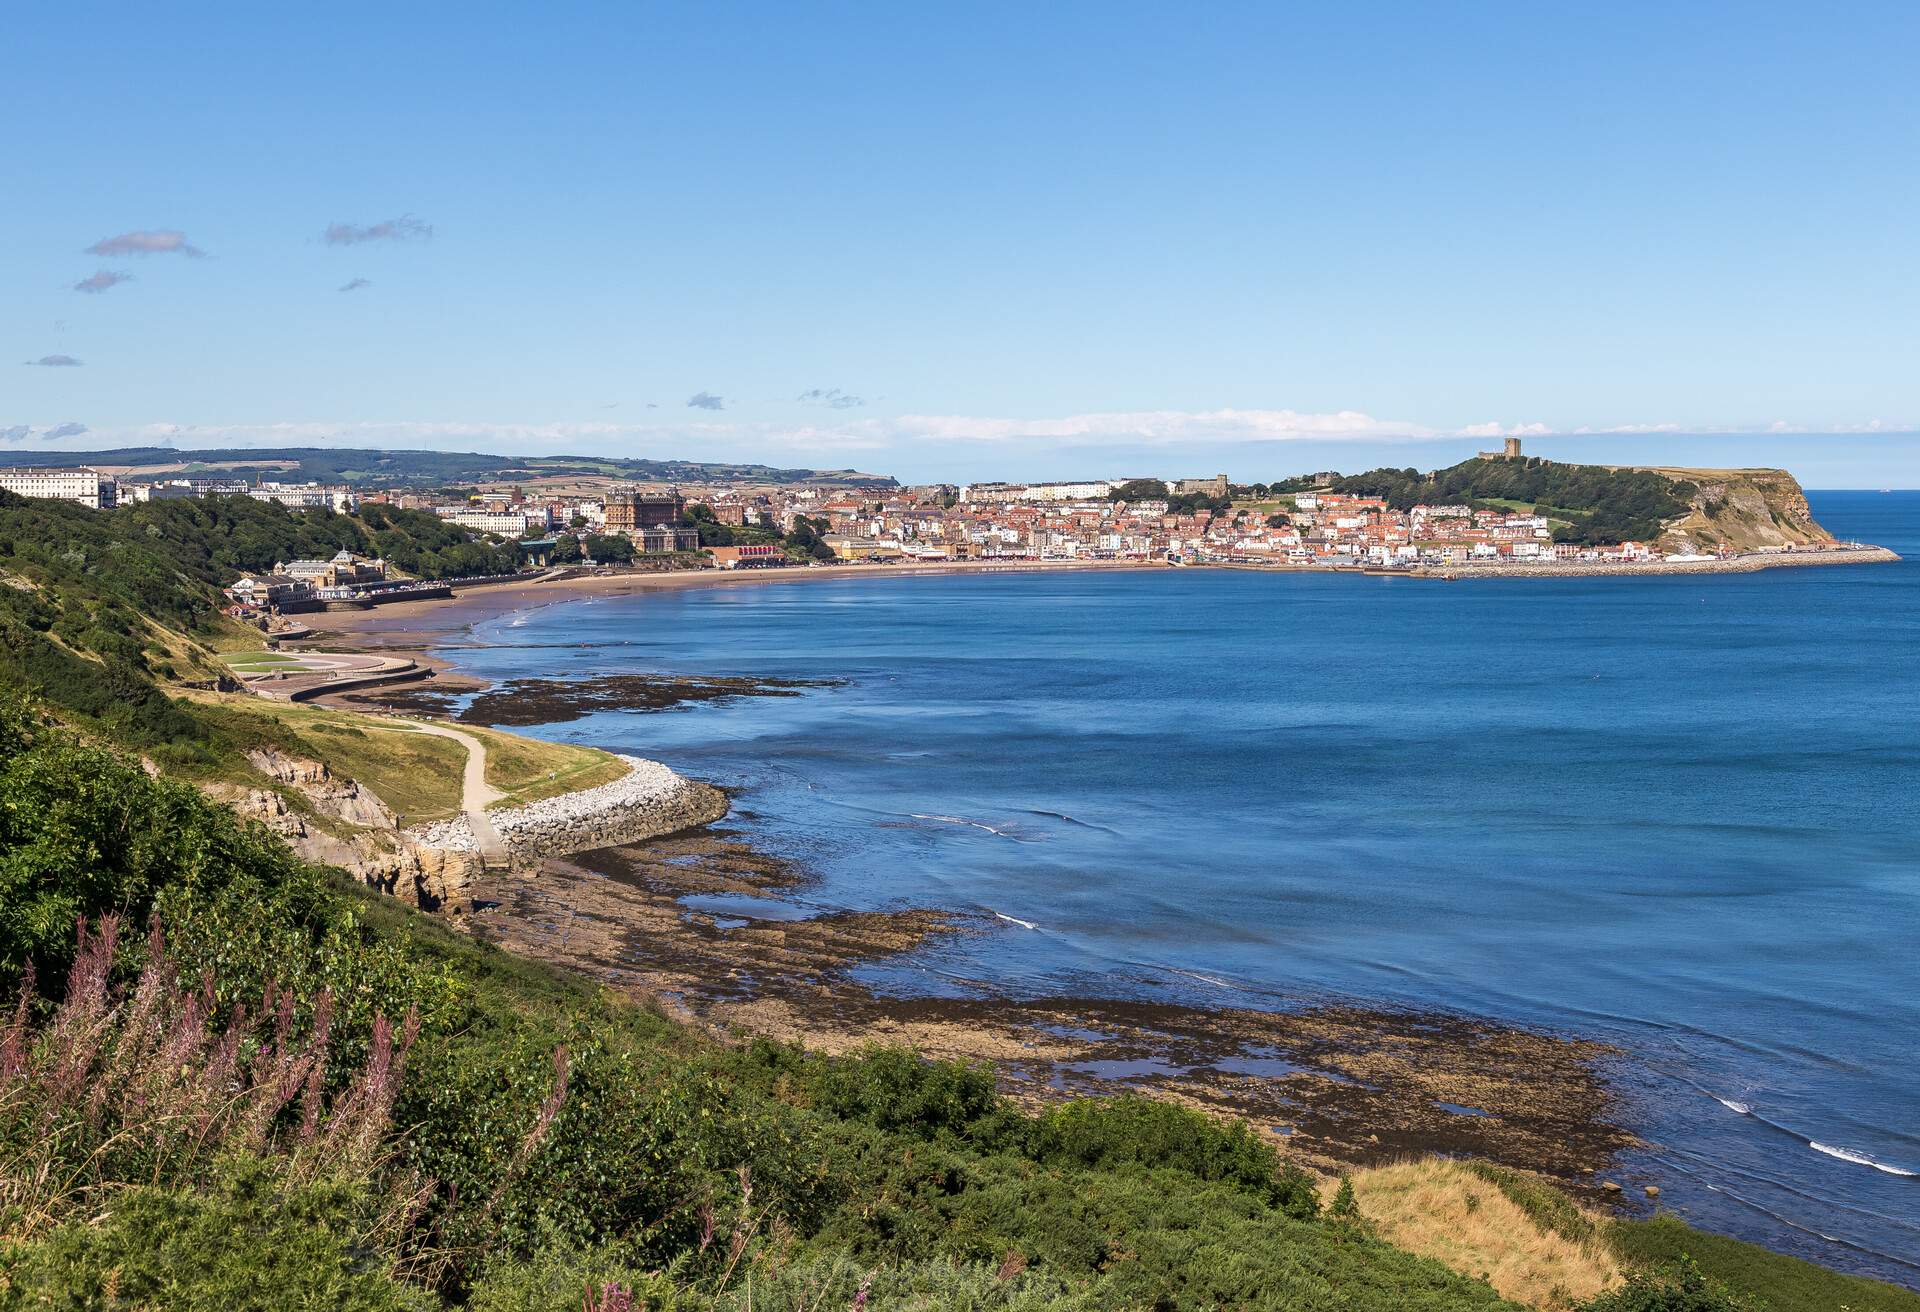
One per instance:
(647,801)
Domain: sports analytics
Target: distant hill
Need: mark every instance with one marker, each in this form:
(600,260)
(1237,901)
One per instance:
(370,467)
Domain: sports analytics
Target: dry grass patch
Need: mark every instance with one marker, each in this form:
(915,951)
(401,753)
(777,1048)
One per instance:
(1446,1211)
(415,774)
(529,770)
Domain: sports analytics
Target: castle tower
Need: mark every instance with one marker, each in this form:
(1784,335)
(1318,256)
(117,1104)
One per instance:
(1513,448)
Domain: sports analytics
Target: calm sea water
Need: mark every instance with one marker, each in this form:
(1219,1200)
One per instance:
(1682,815)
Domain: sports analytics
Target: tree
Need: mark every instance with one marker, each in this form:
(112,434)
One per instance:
(1139,489)
(612,550)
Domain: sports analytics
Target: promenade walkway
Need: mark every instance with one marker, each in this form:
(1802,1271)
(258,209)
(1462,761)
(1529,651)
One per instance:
(476,794)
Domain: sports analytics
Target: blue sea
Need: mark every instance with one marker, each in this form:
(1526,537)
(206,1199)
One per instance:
(1681,815)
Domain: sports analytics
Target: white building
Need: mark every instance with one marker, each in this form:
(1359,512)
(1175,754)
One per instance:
(172,490)
(500,523)
(89,487)
(305,496)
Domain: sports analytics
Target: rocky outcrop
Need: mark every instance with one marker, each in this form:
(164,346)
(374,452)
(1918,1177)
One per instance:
(1742,510)
(343,824)
(270,809)
(342,799)
(431,879)
(647,801)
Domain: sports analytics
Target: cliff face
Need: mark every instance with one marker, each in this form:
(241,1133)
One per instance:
(354,830)
(1743,510)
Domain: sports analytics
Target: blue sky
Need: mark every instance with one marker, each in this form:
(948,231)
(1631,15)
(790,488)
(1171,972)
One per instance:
(969,241)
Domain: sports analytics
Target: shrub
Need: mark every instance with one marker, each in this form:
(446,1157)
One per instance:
(897,1089)
(116,1088)
(1140,1132)
(249,1239)
(1680,1288)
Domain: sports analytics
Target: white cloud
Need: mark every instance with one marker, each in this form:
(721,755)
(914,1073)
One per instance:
(1497,429)
(1167,427)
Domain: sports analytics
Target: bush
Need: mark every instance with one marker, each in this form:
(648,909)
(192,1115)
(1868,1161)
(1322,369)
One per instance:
(896,1089)
(1681,1288)
(1131,1131)
(249,1240)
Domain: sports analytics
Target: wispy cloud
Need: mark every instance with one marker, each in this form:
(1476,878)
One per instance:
(101,281)
(160,241)
(404,228)
(355,285)
(65,430)
(56,362)
(17,433)
(706,401)
(1166,427)
(831,397)
(1497,429)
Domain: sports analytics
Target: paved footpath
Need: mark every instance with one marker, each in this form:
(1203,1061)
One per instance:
(476,794)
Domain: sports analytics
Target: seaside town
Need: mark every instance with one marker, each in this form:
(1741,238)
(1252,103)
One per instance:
(1300,524)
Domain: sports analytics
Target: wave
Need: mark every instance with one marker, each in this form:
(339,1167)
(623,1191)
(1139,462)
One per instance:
(1861,1159)
(1073,820)
(1024,924)
(1204,979)
(1842,1154)
(972,824)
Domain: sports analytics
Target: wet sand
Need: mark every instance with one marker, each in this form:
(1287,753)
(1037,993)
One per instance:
(1332,1086)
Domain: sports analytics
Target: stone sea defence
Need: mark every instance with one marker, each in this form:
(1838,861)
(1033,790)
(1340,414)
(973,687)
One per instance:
(647,801)
(1745,564)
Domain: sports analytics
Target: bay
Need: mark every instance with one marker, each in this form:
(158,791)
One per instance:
(1675,813)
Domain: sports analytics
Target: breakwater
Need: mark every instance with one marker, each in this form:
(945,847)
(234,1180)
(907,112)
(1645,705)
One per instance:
(647,801)
(1747,564)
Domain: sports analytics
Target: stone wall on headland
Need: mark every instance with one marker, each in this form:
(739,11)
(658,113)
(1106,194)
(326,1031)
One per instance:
(1845,555)
(647,801)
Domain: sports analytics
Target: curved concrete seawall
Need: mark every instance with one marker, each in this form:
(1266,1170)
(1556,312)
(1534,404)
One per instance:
(647,801)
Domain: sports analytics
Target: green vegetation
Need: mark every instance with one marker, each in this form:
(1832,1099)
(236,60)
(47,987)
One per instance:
(527,769)
(417,775)
(99,610)
(1786,1284)
(1599,504)
(1178,503)
(215,538)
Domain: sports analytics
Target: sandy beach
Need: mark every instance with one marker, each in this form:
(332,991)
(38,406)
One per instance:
(411,625)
